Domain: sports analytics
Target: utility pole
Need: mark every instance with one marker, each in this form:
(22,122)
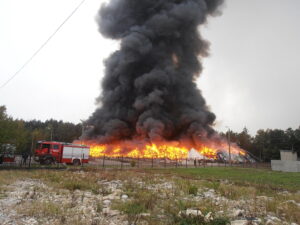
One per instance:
(229,144)
(82,130)
(51,132)
(260,153)
(31,150)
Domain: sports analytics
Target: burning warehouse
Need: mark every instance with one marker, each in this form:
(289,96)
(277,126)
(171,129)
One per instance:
(150,105)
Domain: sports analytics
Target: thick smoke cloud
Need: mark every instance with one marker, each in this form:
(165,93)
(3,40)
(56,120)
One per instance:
(149,91)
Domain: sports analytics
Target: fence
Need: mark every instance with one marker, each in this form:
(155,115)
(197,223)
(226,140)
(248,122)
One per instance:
(130,163)
(20,162)
(127,163)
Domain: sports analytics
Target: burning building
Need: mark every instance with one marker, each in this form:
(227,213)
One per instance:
(150,105)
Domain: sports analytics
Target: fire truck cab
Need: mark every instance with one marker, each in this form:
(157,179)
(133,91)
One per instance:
(49,152)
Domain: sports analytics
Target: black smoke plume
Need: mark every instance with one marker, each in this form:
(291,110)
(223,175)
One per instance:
(149,91)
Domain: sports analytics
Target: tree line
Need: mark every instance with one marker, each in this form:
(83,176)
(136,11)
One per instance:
(24,134)
(265,145)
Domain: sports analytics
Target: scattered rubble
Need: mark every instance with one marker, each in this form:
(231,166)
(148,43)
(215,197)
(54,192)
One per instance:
(30,202)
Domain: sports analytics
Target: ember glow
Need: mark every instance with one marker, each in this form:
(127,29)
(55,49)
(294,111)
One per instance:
(152,150)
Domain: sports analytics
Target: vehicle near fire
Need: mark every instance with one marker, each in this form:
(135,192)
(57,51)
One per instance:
(7,158)
(49,152)
(7,153)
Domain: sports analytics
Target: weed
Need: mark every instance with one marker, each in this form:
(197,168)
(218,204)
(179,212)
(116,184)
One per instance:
(145,198)
(189,220)
(132,209)
(192,190)
(220,221)
(2,195)
(99,207)
(212,185)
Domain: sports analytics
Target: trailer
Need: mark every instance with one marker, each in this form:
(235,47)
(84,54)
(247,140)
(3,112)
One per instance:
(50,152)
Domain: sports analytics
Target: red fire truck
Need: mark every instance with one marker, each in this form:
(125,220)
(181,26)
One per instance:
(48,152)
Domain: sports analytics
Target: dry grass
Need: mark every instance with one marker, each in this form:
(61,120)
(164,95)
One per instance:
(57,213)
(41,209)
(285,206)
(235,192)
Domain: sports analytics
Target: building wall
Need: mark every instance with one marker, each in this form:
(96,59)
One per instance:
(285,166)
(288,155)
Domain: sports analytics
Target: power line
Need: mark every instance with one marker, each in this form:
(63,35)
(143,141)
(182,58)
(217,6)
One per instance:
(43,45)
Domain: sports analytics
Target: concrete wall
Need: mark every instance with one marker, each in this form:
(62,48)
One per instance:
(288,155)
(285,166)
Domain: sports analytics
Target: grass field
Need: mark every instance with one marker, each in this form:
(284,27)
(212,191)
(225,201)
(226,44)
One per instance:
(242,176)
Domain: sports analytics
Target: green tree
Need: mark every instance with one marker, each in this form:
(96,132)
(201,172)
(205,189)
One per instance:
(244,139)
(12,131)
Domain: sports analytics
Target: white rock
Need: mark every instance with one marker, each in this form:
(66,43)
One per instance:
(109,197)
(239,222)
(31,221)
(257,220)
(293,202)
(110,212)
(237,213)
(270,222)
(193,212)
(208,217)
(273,221)
(263,198)
(209,194)
(284,193)
(106,202)
(124,196)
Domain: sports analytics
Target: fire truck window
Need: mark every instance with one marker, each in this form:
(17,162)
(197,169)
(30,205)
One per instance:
(46,146)
(55,147)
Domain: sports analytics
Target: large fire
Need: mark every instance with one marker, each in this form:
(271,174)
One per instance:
(153,150)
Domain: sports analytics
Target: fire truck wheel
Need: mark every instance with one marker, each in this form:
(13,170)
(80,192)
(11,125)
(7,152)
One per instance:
(48,161)
(76,162)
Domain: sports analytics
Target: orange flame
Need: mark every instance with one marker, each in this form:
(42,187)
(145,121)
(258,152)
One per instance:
(170,150)
(152,150)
